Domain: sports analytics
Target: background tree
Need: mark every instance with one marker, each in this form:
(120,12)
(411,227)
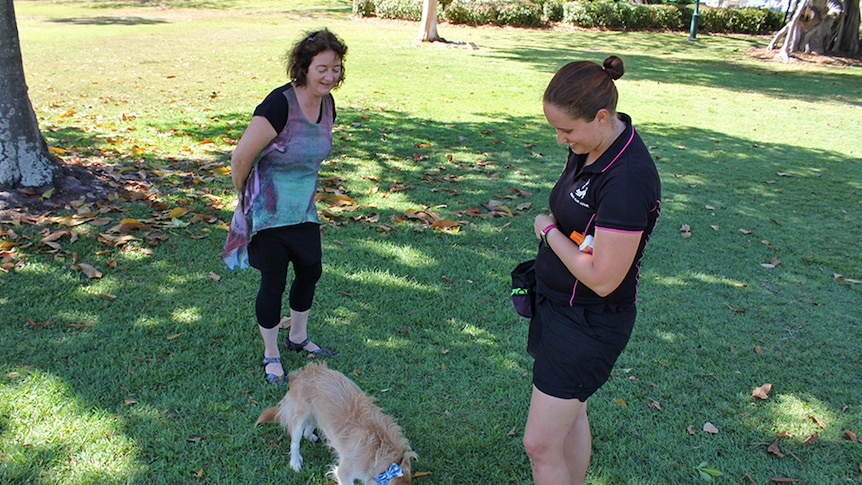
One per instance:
(428,32)
(24,156)
(821,27)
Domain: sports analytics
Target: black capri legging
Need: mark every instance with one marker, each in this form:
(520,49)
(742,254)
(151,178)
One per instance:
(271,251)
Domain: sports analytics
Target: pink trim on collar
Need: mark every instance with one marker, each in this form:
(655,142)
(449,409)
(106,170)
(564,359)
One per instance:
(631,137)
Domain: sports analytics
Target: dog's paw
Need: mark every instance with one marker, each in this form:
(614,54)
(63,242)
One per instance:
(296,463)
(308,433)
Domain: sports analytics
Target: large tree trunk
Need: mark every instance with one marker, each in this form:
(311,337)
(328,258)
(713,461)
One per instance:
(24,156)
(429,22)
(822,27)
(848,32)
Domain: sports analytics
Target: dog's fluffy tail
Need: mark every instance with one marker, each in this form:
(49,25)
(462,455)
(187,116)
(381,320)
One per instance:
(267,416)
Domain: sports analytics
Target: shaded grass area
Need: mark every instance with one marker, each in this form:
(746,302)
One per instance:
(162,384)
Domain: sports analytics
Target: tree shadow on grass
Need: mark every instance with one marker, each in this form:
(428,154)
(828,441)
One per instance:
(343,6)
(210,5)
(836,85)
(104,20)
(421,319)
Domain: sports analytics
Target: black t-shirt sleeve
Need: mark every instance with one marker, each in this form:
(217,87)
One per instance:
(626,202)
(274,108)
(334,115)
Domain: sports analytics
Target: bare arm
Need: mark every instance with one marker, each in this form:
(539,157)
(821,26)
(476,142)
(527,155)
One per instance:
(605,269)
(256,137)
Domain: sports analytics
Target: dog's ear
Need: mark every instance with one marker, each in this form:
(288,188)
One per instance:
(405,461)
(267,416)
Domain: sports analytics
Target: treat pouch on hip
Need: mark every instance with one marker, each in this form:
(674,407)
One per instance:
(524,288)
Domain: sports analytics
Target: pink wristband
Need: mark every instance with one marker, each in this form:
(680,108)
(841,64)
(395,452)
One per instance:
(545,232)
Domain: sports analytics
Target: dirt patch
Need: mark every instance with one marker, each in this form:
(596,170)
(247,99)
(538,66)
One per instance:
(836,60)
(75,182)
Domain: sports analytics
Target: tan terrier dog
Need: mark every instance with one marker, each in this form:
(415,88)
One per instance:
(369,444)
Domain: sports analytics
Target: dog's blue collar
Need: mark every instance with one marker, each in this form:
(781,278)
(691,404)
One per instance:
(393,471)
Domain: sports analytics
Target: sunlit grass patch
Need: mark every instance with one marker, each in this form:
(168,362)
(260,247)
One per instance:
(48,432)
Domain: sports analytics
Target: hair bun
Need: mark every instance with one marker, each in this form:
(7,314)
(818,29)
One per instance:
(613,65)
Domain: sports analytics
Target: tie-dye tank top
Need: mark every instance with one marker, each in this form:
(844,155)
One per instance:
(287,169)
(280,188)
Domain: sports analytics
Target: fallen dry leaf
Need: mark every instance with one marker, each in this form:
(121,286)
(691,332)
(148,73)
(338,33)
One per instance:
(710,428)
(810,439)
(90,271)
(775,450)
(785,480)
(32,323)
(818,421)
(737,310)
(762,392)
(840,277)
(690,429)
(129,224)
(446,224)
(654,404)
(339,201)
(214,276)
(850,435)
(685,231)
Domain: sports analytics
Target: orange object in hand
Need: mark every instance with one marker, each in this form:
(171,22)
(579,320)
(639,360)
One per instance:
(584,242)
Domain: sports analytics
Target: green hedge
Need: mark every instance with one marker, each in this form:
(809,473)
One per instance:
(620,15)
(364,8)
(478,12)
(398,9)
(471,13)
(625,16)
(520,14)
(740,20)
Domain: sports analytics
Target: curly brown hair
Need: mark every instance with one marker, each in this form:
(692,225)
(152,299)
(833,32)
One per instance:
(298,60)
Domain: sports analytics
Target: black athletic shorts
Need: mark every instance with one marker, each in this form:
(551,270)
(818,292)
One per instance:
(575,348)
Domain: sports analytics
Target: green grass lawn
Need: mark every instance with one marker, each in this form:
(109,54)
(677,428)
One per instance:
(150,373)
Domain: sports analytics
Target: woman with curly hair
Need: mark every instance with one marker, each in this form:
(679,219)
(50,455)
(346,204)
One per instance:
(274,169)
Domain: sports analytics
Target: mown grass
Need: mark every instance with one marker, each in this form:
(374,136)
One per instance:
(162,384)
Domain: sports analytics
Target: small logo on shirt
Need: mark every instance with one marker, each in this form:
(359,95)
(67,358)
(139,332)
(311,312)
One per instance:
(579,194)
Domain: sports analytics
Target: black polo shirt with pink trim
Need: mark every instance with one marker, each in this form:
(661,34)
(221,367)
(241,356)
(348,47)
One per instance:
(621,191)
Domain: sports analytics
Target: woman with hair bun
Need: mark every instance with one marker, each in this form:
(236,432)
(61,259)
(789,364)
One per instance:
(602,212)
